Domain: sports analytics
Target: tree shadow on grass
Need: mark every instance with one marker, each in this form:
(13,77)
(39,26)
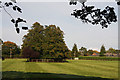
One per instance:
(13,75)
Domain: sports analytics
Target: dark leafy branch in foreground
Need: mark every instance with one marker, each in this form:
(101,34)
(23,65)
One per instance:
(14,7)
(16,24)
(88,14)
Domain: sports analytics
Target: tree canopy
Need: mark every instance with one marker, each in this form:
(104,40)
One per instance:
(8,47)
(48,41)
(90,52)
(83,51)
(111,50)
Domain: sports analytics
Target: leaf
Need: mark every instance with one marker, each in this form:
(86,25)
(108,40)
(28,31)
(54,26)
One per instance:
(13,20)
(70,3)
(118,3)
(16,24)
(19,9)
(106,26)
(6,4)
(25,28)
(13,1)
(18,30)
(19,20)
(14,8)
(10,3)
(24,21)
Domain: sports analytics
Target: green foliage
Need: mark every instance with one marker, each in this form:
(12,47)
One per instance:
(117,51)
(75,51)
(30,53)
(102,50)
(8,47)
(90,52)
(48,41)
(111,50)
(83,51)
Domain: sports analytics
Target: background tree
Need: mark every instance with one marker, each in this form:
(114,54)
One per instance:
(83,51)
(10,48)
(90,52)
(111,50)
(117,52)
(48,41)
(102,50)
(75,51)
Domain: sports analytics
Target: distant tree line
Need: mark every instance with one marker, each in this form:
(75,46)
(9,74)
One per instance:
(52,50)
(84,52)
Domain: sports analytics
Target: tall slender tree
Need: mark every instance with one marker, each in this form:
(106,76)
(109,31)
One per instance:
(75,50)
(102,50)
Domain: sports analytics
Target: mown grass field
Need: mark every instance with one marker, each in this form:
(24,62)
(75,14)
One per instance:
(84,69)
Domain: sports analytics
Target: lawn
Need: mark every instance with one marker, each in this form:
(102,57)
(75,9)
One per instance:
(73,69)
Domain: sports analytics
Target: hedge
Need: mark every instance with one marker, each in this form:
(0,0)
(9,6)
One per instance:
(99,58)
(13,56)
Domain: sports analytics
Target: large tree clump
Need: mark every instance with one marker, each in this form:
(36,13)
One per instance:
(48,41)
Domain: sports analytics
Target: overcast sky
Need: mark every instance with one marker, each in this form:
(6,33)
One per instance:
(58,13)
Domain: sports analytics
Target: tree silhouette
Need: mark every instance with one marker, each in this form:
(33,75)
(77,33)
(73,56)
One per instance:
(97,16)
(102,50)
(89,14)
(12,4)
(75,51)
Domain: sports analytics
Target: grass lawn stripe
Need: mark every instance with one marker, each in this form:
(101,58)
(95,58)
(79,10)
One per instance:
(38,70)
(78,70)
(103,71)
(98,66)
(51,68)
(13,65)
(97,62)
(68,69)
